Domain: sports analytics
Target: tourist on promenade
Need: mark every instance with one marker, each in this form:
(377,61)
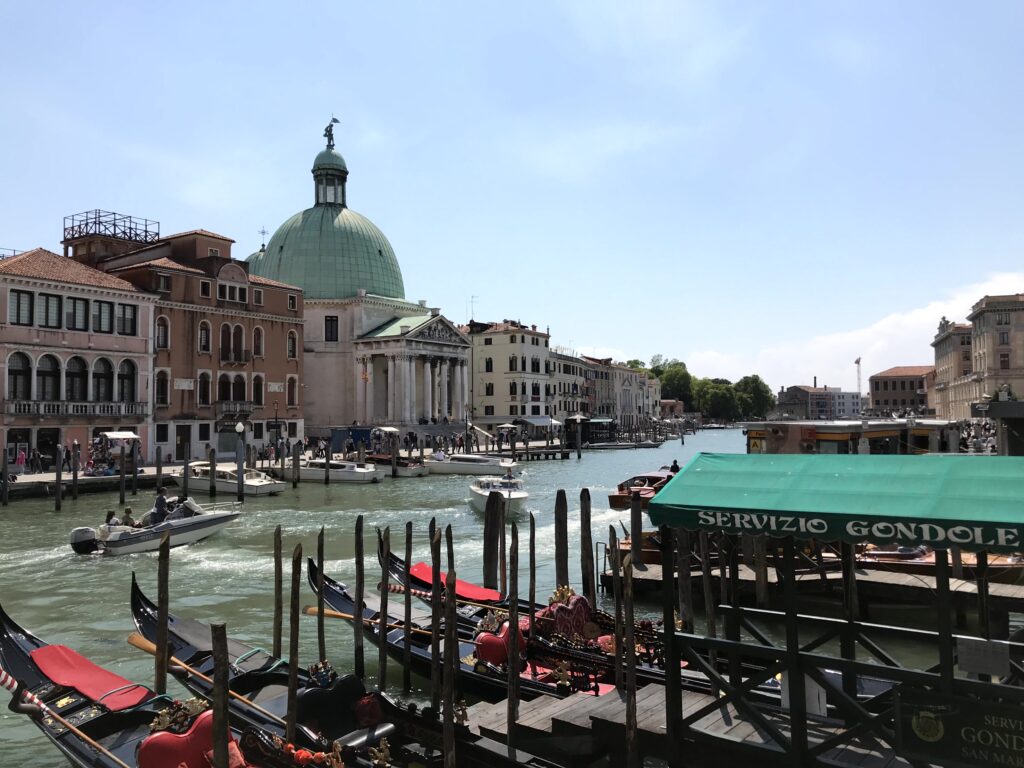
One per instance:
(19,462)
(35,463)
(67,458)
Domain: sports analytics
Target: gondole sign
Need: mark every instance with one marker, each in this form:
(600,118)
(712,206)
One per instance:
(941,501)
(953,731)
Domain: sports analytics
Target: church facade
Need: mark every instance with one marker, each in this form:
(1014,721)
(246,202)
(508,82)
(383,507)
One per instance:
(371,357)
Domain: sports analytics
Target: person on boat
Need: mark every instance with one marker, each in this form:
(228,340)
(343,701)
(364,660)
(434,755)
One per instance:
(111,519)
(128,519)
(675,466)
(439,455)
(159,507)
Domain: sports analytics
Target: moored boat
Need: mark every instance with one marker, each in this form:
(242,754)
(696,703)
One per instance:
(340,471)
(406,466)
(646,484)
(187,522)
(468,464)
(254,482)
(510,488)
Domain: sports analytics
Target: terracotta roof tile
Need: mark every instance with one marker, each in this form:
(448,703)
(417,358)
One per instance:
(259,280)
(42,264)
(905,370)
(163,263)
(201,232)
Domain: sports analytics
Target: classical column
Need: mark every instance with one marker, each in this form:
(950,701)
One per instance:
(360,389)
(391,388)
(410,389)
(444,388)
(428,381)
(464,373)
(457,394)
(370,405)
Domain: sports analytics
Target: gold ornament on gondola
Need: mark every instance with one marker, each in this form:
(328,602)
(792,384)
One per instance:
(381,756)
(561,594)
(461,712)
(179,716)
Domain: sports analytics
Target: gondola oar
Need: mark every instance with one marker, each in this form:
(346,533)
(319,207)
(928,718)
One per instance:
(140,642)
(11,684)
(311,610)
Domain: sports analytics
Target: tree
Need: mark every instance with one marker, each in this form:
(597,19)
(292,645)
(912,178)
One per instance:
(720,402)
(637,364)
(755,397)
(677,383)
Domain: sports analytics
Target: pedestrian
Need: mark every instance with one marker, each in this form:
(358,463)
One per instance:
(35,463)
(66,464)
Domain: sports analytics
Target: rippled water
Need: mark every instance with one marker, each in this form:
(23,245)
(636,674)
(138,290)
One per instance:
(83,601)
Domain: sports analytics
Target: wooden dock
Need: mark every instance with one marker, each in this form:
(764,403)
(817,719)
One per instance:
(577,729)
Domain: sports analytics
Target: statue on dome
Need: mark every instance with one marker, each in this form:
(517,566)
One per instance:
(329,132)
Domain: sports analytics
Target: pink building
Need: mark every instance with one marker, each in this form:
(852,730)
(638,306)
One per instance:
(76,352)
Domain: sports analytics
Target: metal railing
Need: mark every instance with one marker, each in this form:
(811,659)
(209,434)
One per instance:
(56,408)
(226,407)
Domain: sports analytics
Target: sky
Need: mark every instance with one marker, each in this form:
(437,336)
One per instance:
(771,188)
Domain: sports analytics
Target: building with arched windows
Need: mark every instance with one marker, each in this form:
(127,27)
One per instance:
(371,357)
(75,354)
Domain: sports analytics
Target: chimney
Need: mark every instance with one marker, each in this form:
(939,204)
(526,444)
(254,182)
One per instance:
(361,293)
(423,302)
(815,382)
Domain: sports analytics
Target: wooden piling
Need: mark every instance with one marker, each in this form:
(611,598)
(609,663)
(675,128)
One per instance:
(321,637)
(579,440)
(761,571)
(327,470)
(492,521)
(293,646)
(5,476)
(382,632)
(357,626)
(186,470)
(589,578)
(278,593)
(502,552)
(450,543)
(636,530)
(122,476)
(632,743)
(943,624)
(296,453)
(58,495)
(239,470)
(533,570)
(394,456)
(219,638)
(709,599)
(957,560)
(435,620)
(159,471)
(794,666)
(513,638)
(135,467)
(684,580)
(163,576)
(212,458)
(670,649)
(406,650)
(561,539)
(613,551)
(451,659)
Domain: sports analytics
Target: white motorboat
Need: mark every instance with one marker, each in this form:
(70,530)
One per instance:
(467,464)
(510,488)
(254,482)
(341,471)
(187,523)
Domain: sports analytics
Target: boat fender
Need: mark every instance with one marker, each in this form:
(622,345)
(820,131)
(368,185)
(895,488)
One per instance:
(84,540)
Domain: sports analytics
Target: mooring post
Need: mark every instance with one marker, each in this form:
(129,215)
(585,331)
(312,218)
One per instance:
(5,476)
(451,659)
(293,646)
(587,550)
(761,570)
(321,637)
(514,665)
(163,573)
(219,638)
(382,633)
(435,619)
(561,539)
(944,625)
(709,599)
(492,521)
(636,531)
(159,471)
(632,743)
(357,626)
(981,580)
(212,458)
(122,475)
(579,440)
(958,573)
(450,543)
(684,578)
(57,489)
(327,470)
(613,551)
(502,552)
(394,456)
(296,453)
(794,667)
(848,637)
(278,593)
(135,467)
(533,570)
(670,648)
(239,470)
(406,650)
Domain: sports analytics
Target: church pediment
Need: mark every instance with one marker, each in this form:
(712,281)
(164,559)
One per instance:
(435,328)
(439,329)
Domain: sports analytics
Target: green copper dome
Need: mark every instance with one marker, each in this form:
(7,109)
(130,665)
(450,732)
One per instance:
(329,250)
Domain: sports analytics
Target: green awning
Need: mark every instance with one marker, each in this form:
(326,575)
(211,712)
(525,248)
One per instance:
(974,502)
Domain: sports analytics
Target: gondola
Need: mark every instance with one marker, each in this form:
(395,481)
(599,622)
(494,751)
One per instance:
(414,733)
(479,677)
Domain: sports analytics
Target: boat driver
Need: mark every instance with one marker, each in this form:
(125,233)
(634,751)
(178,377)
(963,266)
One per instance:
(159,507)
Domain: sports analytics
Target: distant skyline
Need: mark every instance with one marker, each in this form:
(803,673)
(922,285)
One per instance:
(751,189)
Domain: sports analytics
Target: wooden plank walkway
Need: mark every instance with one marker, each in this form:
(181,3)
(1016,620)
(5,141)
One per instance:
(722,734)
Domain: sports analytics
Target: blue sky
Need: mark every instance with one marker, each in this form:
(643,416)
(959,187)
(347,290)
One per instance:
(752,188)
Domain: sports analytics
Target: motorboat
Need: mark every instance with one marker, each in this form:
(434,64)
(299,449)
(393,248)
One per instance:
(510,488)
(467,464)
(254,482)
(646,485)
(340,471)
(406,466)
(187,523)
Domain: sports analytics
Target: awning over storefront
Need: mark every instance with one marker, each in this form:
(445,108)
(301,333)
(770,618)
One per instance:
(941,500)
(539,421)
(120,435)
(600,420)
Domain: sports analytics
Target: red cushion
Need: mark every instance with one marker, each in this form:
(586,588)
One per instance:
(164,749)
(570,617)
(68,668)
(464,589)
(494,649)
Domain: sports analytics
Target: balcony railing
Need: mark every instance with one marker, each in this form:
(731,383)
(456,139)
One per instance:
(60,408)
(239,358)
(232,407)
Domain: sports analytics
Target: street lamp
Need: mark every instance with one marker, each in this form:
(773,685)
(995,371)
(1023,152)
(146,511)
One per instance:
(240,460)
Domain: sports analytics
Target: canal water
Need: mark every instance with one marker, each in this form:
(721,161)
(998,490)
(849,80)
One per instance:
(82,601)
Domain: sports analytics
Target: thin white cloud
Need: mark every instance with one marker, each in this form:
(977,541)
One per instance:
(851,55)
(900,338)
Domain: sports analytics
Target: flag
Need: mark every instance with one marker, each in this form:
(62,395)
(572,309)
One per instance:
(857,361)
